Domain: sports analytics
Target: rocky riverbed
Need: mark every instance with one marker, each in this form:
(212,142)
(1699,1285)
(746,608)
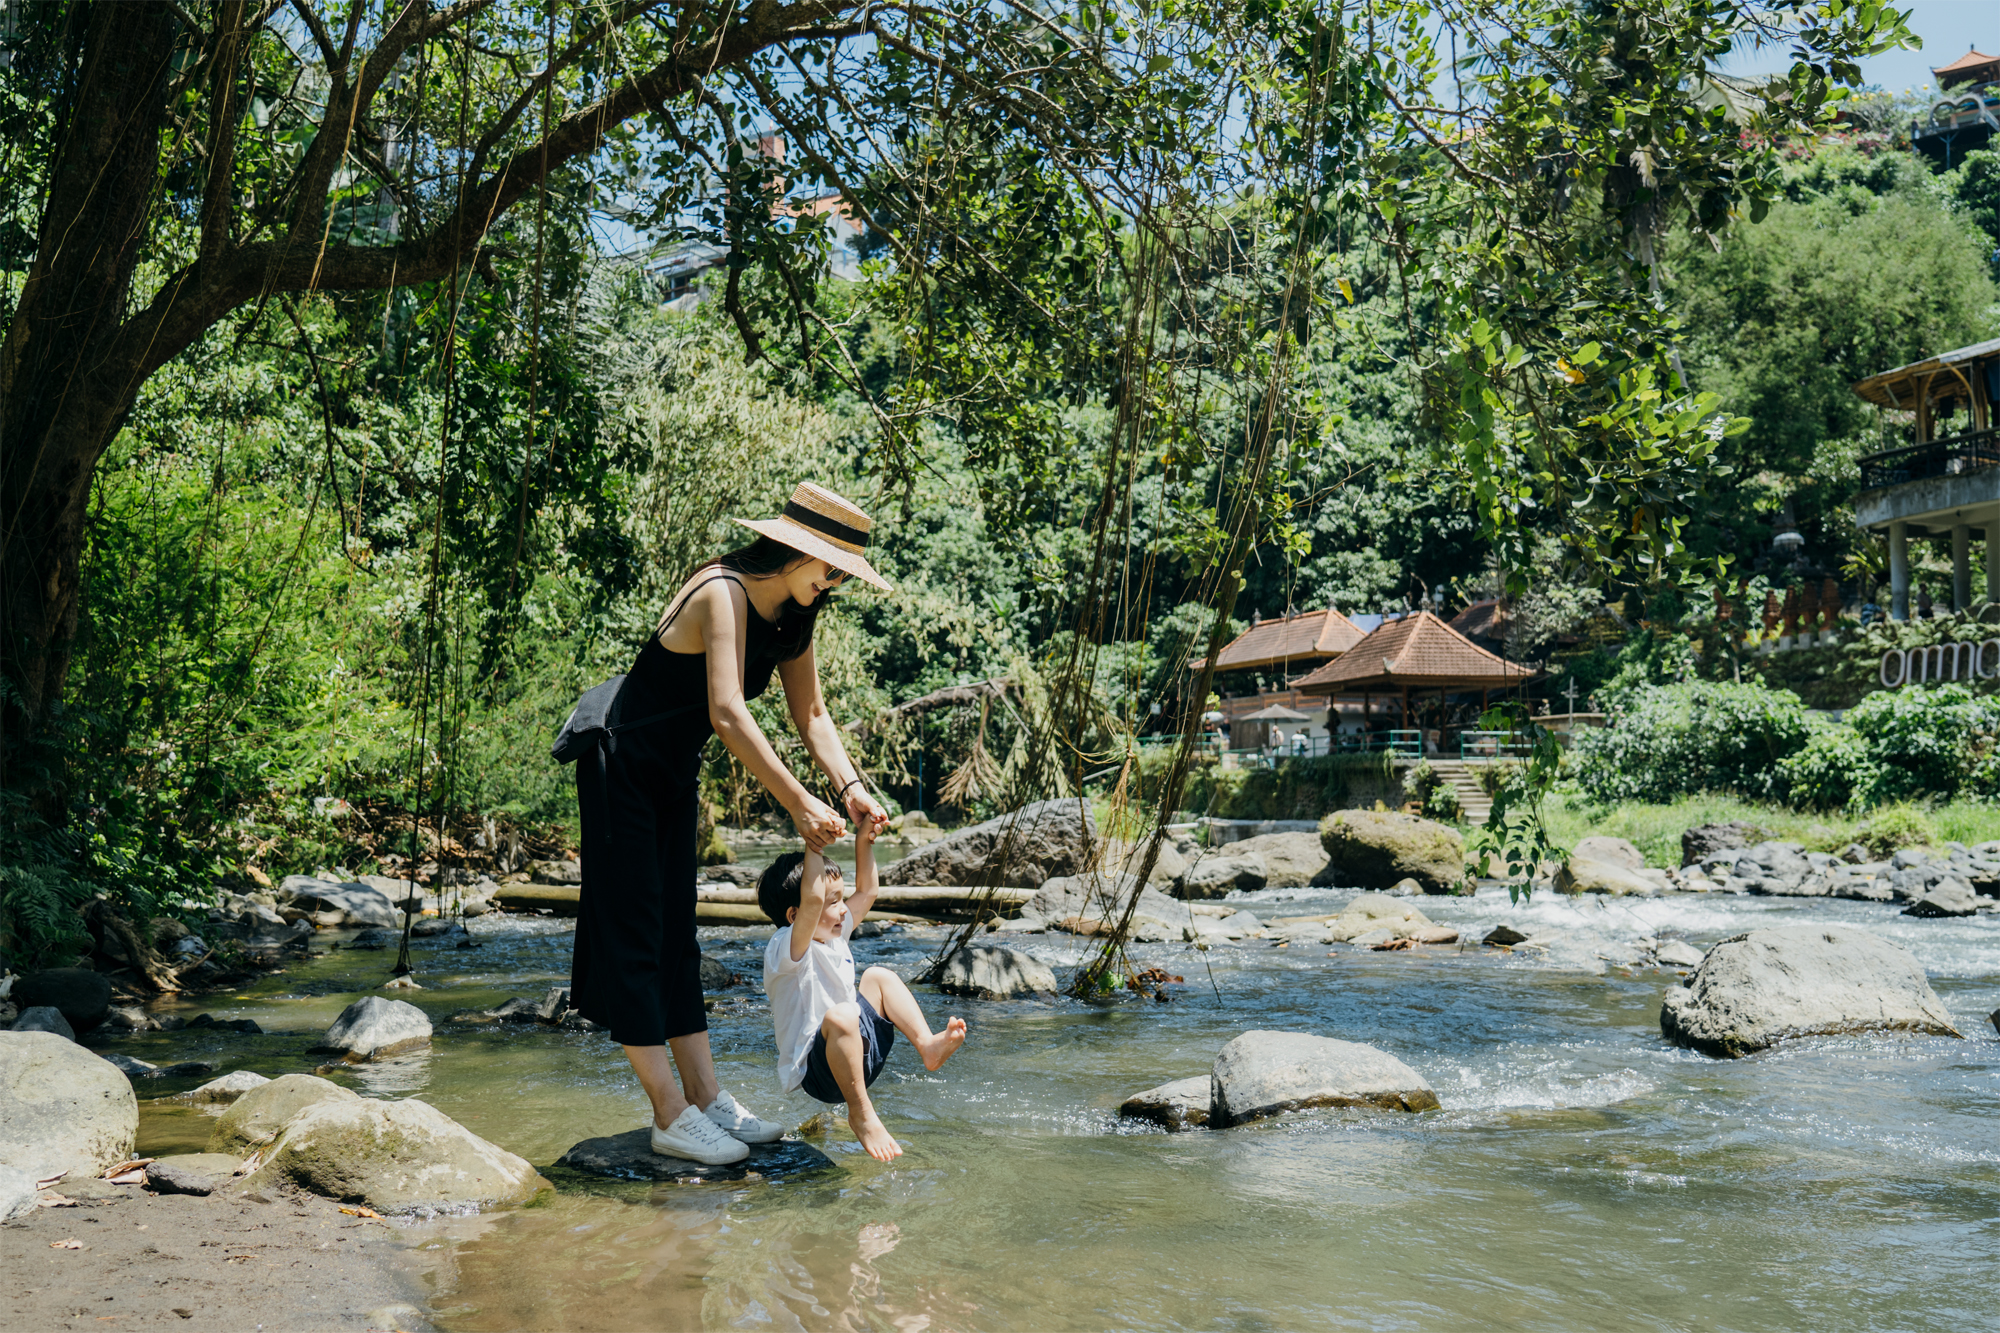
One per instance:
(1578,1161)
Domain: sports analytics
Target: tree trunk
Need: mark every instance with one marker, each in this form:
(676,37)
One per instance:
(63,389)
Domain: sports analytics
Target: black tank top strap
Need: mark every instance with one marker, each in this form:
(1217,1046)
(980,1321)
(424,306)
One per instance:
(674,610)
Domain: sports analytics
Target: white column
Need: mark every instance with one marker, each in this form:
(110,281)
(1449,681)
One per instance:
(1961,567)
(1899,570)
(1993,562)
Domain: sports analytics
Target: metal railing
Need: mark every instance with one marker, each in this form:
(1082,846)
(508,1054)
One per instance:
(1492,745)
(1934,458)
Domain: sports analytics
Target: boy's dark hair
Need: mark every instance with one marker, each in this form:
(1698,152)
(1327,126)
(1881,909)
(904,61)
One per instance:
(782,885)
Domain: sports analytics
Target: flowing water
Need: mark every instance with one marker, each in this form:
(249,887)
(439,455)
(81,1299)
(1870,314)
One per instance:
(1582,1173)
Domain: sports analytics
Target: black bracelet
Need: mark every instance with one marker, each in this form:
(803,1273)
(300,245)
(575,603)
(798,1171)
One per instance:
(843,788)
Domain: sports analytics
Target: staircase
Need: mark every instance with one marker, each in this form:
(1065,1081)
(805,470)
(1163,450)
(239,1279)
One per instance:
(1473,802)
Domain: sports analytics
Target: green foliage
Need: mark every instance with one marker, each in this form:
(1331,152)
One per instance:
(1923,741)
(1899,826)
(1518,829)
(1666,741)
(1830,771)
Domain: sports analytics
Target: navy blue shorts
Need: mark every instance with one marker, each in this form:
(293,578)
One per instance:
(878,1034)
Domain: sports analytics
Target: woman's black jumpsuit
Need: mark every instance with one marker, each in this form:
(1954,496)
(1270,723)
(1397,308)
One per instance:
(637,966)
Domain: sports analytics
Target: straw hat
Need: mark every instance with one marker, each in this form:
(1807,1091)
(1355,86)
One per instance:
(820,523)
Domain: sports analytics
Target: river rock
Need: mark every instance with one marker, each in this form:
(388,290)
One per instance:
(556,872)
(128,1066)
(226,1089)
(1760,988)
(995,972)
(1118,857)
(517,1010)
(1504,937)
(17,1193)
(1677,953)
(1703,841)
(630,1156)
(83,996)
(62,1108)
(1043,841)
(374,1027)
(1581,875)
(357,904)
(1374,849)
(45,1018)
(1182,1104)
(1291,860)
(259,1114)
(1950,897)
(716,976)
(1098,897)
(1263,1074)
(554,1005)
(1377,911)
(1219,876)
(1612,851)
(168,1176)
(396,1157)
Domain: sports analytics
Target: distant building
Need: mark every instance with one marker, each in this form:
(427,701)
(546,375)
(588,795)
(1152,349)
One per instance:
(1948,479)
(1967,115)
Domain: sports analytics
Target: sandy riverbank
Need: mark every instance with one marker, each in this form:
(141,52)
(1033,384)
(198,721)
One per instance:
(232,1260)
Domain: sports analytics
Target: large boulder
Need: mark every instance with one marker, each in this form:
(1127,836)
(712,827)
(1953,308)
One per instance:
(1371,913)
(1291,860)
(83,996)
(1122,858)
(1948,897)
(395,1157)
(356,904)
(1612,851)
(1181,1104)
(995,972)
(1219,875)
(374,1027)
(257,1117)
(17,1193)
(62,1108)
(1703,841)
(1019,850)
(1373,849)
(1757,989)
(1263,1074)
(1582,875)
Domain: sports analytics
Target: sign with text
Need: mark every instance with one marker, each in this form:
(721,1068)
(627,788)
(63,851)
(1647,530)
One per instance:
(1940,661)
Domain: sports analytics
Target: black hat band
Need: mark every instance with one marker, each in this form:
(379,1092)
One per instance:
(828,527)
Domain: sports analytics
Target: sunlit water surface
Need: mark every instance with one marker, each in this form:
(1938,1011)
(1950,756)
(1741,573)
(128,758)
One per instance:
(1581,1174)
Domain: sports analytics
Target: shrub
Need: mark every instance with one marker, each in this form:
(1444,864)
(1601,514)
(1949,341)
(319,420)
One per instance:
(1923,741)
(1665,741)
(1832,771)
(1896,827)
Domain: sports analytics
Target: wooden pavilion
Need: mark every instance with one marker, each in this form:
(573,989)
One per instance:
(1414,656)
(1289,643)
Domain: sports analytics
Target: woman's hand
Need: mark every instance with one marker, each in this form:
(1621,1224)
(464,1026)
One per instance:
(865,811)
(817,823)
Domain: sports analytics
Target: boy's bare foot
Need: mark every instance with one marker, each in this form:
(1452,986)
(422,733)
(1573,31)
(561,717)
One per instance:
(875,1139)
(942,1045)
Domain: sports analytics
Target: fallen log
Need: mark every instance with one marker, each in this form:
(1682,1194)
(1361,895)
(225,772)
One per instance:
(722,905)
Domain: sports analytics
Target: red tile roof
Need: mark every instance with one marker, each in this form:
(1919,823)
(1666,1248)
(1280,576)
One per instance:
(1419,650)
(1301,641)
(1967,67)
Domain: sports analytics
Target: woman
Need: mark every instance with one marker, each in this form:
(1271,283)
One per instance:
(637,967)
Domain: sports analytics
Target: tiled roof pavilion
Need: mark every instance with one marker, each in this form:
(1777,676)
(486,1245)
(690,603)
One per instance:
(1418,652)
(1295,642)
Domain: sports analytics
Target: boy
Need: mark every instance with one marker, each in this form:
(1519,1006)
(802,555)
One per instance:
(834,1036)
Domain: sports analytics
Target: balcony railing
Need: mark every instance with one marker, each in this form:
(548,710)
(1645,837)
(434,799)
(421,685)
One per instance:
(1935,458)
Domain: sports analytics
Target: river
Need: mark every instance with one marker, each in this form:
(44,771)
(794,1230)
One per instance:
(1582,1173)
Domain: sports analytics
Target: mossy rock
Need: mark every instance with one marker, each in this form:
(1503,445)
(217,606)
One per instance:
(1373,849)
(396,1157)
(261,1114)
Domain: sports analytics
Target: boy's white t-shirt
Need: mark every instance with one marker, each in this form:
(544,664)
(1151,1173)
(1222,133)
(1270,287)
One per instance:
(803,992)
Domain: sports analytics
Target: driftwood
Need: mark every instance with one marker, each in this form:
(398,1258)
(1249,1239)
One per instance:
(139,953)
(949,697)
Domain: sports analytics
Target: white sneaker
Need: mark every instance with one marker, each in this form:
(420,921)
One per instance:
(738,1123)
(698,1139)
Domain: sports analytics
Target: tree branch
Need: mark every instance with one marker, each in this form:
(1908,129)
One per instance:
(218,205)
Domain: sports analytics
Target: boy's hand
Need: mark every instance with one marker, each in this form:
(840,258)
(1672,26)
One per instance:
(865,833)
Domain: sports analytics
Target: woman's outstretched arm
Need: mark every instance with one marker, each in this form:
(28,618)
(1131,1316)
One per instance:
(807,705)
(720,609)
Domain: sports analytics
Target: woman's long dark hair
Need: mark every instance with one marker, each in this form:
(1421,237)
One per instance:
(764,557)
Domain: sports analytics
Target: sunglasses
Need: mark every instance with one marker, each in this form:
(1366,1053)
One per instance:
(836,577)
